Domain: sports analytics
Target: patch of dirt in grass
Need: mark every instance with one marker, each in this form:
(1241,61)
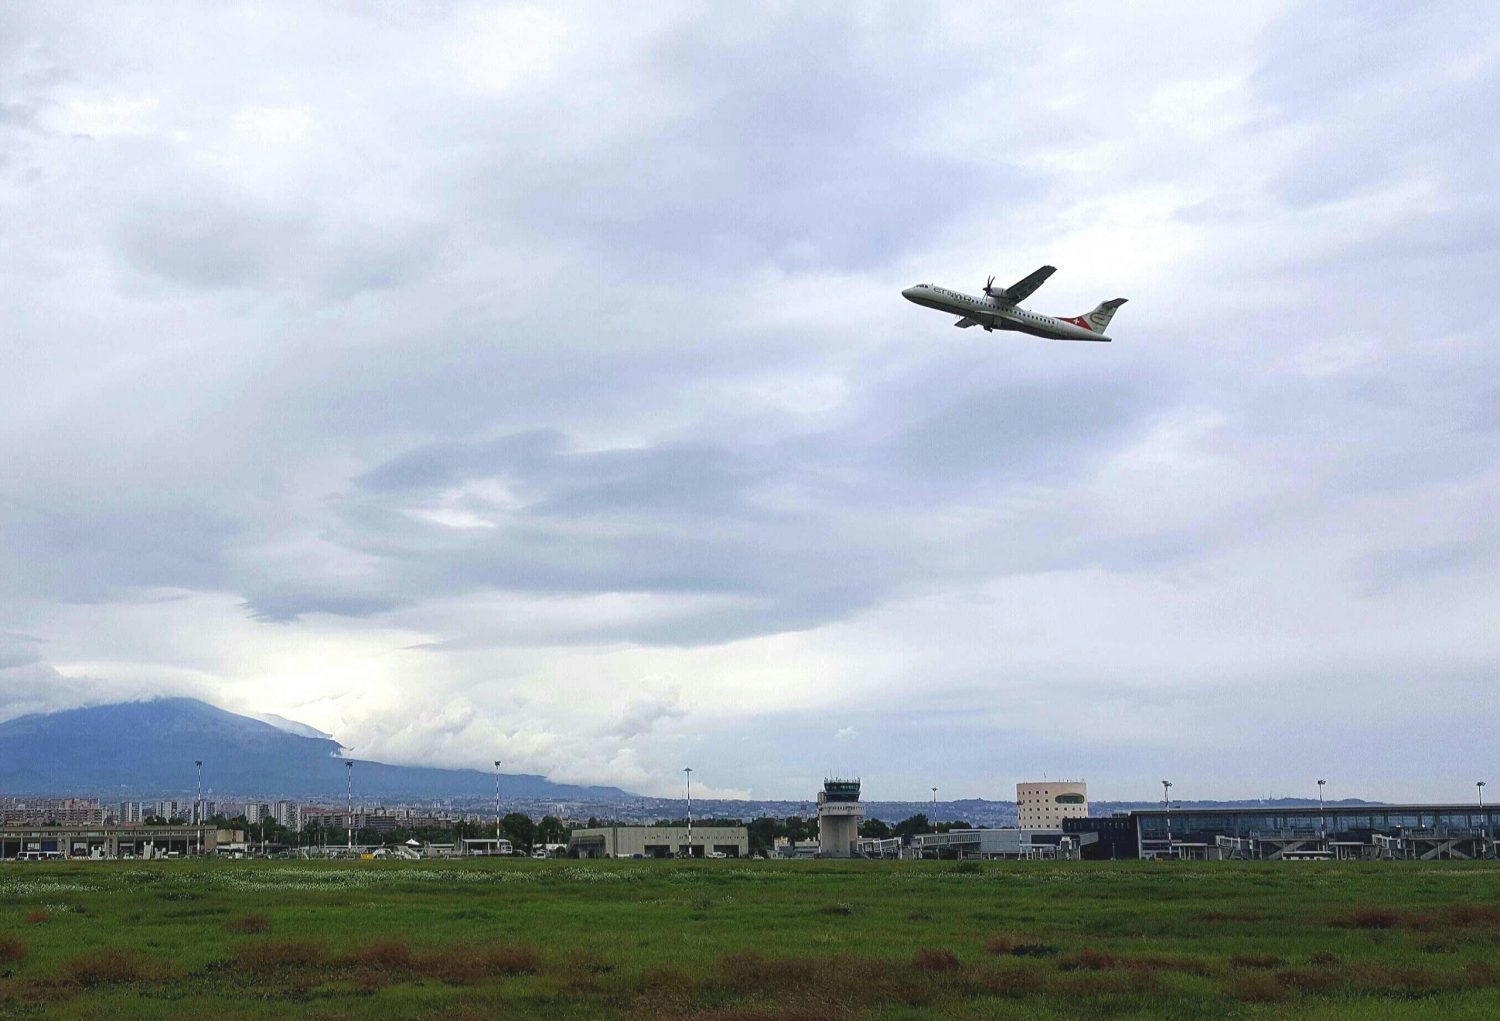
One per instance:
(1256,987)
(467,964)
(107,967)
(1104,960)
(387,955)
(1367,918)
(37,917)
(1485,917)
(270,956)
(11,950)
(250,925)
(1482,974)
(935,961)
(579,972)
(1403,979)
(1015,980)
(1090,960)
(1255,961)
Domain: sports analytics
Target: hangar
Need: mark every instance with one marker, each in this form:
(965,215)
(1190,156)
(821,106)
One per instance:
(659,842)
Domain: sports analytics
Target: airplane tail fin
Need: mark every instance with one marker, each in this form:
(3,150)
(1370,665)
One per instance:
(1098,319)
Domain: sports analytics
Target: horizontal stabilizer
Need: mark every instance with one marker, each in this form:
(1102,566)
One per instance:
(965,323)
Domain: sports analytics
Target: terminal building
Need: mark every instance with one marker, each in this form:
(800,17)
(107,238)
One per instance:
(659,842)
(1417,832)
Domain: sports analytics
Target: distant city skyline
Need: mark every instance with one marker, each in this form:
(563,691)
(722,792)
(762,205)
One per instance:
(473,381)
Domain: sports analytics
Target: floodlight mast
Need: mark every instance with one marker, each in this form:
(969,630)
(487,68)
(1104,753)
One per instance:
(349,818)
(1322,817)
(1484,823)
(1166,804)
(689,771)
(198,804)
(497,805)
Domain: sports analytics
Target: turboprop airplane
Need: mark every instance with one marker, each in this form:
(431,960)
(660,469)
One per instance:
(1000,309)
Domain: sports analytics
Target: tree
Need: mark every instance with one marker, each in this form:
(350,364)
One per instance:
(551,830)
(798,828)
(874,828)
(912,825)
(763,833)
(519,830)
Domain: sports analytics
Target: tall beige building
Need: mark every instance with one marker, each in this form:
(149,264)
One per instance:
(1044,804)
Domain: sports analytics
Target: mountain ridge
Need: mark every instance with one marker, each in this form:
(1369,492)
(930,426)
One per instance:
(148,747)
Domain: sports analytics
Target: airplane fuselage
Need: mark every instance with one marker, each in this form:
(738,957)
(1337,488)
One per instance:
(995,314)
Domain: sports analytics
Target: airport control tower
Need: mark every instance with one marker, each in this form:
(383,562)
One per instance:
(839,815)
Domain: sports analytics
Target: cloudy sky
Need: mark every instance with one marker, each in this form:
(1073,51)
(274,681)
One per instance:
(534,382)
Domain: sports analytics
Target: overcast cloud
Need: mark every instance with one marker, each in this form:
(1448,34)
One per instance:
(477,381)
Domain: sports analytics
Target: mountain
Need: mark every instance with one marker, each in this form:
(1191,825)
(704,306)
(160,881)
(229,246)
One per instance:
(144,749)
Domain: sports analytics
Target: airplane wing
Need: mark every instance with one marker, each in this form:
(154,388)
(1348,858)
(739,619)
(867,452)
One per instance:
(1021,289)
(966,322)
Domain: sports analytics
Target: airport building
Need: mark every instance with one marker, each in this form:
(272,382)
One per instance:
(1043,805)
(1001,843)
(1416,832)
(44,842)
(659,842)
(839,816)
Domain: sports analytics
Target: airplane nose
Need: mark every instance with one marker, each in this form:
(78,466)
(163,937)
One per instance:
(910,294)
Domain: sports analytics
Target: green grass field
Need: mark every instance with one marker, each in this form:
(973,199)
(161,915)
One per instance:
(742,940)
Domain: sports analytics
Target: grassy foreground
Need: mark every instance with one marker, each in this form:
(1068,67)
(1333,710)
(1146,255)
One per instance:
(745,940)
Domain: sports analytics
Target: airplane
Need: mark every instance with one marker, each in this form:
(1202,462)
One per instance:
(999,309)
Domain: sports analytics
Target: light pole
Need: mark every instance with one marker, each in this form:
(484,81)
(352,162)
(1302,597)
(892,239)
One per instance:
(497,805)
(1322,818)
(198,804)
(1166,804)
(934,810)
(689,771)
(349,816)
(1484,823)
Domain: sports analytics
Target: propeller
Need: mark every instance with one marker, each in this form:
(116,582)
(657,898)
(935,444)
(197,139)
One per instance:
(989,288)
